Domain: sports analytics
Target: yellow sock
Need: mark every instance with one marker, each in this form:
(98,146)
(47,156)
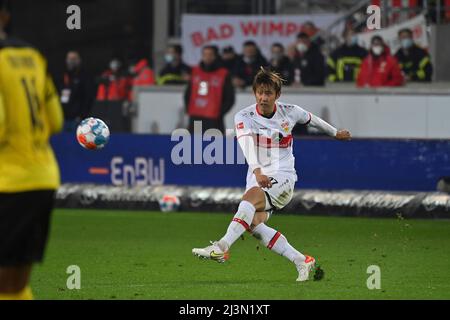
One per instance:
(25,294)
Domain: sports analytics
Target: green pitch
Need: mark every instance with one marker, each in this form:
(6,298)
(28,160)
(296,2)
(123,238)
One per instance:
(147,255)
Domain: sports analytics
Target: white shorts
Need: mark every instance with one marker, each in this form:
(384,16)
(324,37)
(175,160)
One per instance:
(281,192)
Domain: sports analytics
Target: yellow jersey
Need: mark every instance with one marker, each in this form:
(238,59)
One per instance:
(30,112)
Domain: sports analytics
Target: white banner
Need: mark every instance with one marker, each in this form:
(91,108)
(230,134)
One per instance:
(390,35)
(224,30)
(366,113)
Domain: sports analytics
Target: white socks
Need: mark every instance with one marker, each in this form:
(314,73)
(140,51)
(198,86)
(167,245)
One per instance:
(241,222)
(278,243)
(269,237)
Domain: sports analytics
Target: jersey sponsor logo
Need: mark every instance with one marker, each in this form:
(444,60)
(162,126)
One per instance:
(279,142)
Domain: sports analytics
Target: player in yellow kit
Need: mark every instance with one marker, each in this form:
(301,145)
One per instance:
(30,113)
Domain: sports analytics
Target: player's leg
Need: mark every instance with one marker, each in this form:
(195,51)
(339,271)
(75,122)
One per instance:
(13,276)
(273,239)
(260,217)
(253,200)
(24,224)
(278,243)
(279,196)
(14,283)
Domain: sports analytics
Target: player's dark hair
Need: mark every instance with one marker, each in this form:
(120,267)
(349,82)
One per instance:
(268,78)
(407,30)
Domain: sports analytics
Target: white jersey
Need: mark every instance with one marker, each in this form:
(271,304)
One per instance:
(272,137)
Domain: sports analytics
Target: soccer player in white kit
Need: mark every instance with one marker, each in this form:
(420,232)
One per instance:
(264,134)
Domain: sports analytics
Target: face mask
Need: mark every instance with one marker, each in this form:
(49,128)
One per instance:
(114,65)
(169,58)
(406,43)
(249,60)
(301,47)
(72,64)
(377,50)
(277,56)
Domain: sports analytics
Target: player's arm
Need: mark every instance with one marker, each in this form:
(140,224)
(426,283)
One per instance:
(307,118)
(53,107)
(247,143)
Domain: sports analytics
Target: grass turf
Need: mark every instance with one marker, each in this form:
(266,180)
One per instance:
(147,255)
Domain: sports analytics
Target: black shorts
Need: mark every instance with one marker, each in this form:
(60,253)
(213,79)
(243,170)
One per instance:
(24,226)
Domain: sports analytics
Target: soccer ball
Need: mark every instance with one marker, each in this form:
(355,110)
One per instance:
(92,133)
(169,203)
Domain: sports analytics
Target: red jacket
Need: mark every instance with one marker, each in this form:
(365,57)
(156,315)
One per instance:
(144,75)
(113,87)
(383,71)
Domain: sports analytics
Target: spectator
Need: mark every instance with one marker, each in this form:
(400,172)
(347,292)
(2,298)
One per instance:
(210,93)
(379,68)
(113,83)
(281,64)
(344,63)
(309,64)
(229,58)
(77,91)
(414,61)
(175,71)
(291,52)
(313,33)
(248,65)
(142,74)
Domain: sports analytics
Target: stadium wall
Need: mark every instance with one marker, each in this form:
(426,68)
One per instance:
(321,163)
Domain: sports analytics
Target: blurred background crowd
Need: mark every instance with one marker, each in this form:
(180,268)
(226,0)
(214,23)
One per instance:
(106,60)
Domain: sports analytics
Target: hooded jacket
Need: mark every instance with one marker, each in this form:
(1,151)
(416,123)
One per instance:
(381,71)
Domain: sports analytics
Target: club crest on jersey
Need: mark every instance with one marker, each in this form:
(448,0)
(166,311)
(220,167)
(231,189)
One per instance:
(285,126)
(240,125)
